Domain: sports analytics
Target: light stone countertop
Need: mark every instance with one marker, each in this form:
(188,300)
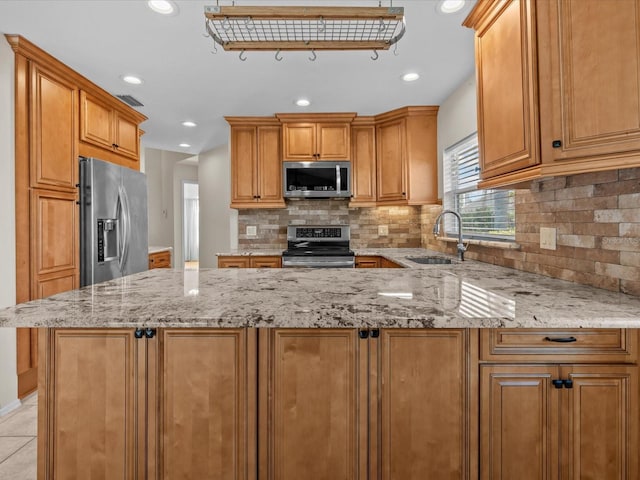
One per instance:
(253,253)
(463,294)
(160,249)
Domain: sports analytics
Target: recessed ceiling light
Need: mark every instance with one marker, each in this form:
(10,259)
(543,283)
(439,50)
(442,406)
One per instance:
(188,124)
(450,6)
(303,102)
(163,7)
(185,145)
(410,77)
(133,80)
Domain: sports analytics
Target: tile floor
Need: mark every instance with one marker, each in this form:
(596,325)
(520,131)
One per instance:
(18,431)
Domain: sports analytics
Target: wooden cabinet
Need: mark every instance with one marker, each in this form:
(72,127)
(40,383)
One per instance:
(340,404)
(557,87)
(316,137)
(249,261)
(53,126)
(364,261)
(104,125)
(256,164)
(363,162)
(544,416)
(549,422)
(48,114)
(160,259)
(406,150)
(147,404)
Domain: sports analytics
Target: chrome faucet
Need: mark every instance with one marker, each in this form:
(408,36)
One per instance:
(436,231)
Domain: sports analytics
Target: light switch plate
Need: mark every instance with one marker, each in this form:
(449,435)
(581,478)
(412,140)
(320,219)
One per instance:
(252,230)
(383,230)
(548,238)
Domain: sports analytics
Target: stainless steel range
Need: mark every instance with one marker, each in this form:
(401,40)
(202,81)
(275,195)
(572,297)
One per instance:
(318,246)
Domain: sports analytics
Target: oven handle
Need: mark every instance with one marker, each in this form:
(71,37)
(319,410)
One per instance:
(307,264)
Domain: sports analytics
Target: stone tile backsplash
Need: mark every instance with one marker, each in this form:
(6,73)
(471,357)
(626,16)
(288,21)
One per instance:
(597,222)
(403,223)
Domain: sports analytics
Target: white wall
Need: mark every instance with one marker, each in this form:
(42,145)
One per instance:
(8,376)
(457,119)
(218,222)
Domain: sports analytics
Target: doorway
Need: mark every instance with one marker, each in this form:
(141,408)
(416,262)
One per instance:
(190,225)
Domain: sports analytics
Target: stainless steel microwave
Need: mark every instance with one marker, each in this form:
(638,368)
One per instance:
(316,179)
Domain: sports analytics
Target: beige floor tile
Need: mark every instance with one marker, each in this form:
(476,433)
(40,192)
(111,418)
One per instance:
(22,422)
(31,399)
(10,445)
(21,465)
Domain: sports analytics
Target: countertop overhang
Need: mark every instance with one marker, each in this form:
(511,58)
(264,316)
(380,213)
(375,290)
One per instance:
(461,295)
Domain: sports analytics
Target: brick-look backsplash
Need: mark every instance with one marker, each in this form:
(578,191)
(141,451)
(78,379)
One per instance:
(403,222)
(597,217)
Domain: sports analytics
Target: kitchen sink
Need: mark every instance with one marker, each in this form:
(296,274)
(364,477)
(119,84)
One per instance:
(433,260)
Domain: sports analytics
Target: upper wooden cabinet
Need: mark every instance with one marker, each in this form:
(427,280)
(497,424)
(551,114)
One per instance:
(256,164)
(407,157)
(363,162)
(316,137)
(558,87)
(105,125)
(54,123)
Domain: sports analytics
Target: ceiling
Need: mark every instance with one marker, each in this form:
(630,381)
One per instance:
(183,80)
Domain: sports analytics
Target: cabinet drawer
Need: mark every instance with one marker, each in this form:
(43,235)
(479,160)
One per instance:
(160,260)
(265,262)
(233,262)
(570,345)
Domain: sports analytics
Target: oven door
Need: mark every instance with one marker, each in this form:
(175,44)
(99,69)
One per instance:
(316,261)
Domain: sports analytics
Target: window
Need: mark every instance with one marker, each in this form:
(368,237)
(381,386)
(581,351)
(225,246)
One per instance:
(486,214)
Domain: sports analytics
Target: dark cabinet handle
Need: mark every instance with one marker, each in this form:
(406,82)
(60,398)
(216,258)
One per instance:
(557,383)
(139,333)
(568,383)
(150,332)
(363,334)
(561,339)
(556,144)
(375,333)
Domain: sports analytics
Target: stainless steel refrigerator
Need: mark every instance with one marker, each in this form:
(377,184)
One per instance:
(113,221)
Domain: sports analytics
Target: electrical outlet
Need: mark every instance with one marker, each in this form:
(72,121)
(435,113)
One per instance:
(383,230)
(252,231)
(548,238)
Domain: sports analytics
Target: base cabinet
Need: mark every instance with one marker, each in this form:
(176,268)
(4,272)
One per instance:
(558,422)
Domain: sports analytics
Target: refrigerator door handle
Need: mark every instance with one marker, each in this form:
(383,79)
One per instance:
(126,226)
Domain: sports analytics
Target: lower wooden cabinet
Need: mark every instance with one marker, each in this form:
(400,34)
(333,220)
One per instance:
(378,404)
(559,422)
(160,259)
(375,261)
(249,261)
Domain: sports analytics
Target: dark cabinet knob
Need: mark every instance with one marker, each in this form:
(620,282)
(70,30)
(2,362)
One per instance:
(375,333)
(557,383)
(139,333)
(150,332)
(556,144)
(568,383)
(363,334)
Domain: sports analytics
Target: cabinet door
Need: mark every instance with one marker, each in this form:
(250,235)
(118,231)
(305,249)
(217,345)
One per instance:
(96,122)
(54,242)
(207,408)
(600,423)
(243,165)
(233,262)
(127,136)
(312,392)
(367,262)
(590,91)
(363,162)
(269,166)
(519,426)
(265,262)
(423,400)
(333,141)
(299,141)
(391,150)
(88,409)
(54,161)
(160,260)
(507,88)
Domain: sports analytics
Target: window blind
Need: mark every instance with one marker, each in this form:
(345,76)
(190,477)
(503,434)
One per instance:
(488,214)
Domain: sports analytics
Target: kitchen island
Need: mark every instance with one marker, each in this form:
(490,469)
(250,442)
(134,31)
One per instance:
(457,371)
